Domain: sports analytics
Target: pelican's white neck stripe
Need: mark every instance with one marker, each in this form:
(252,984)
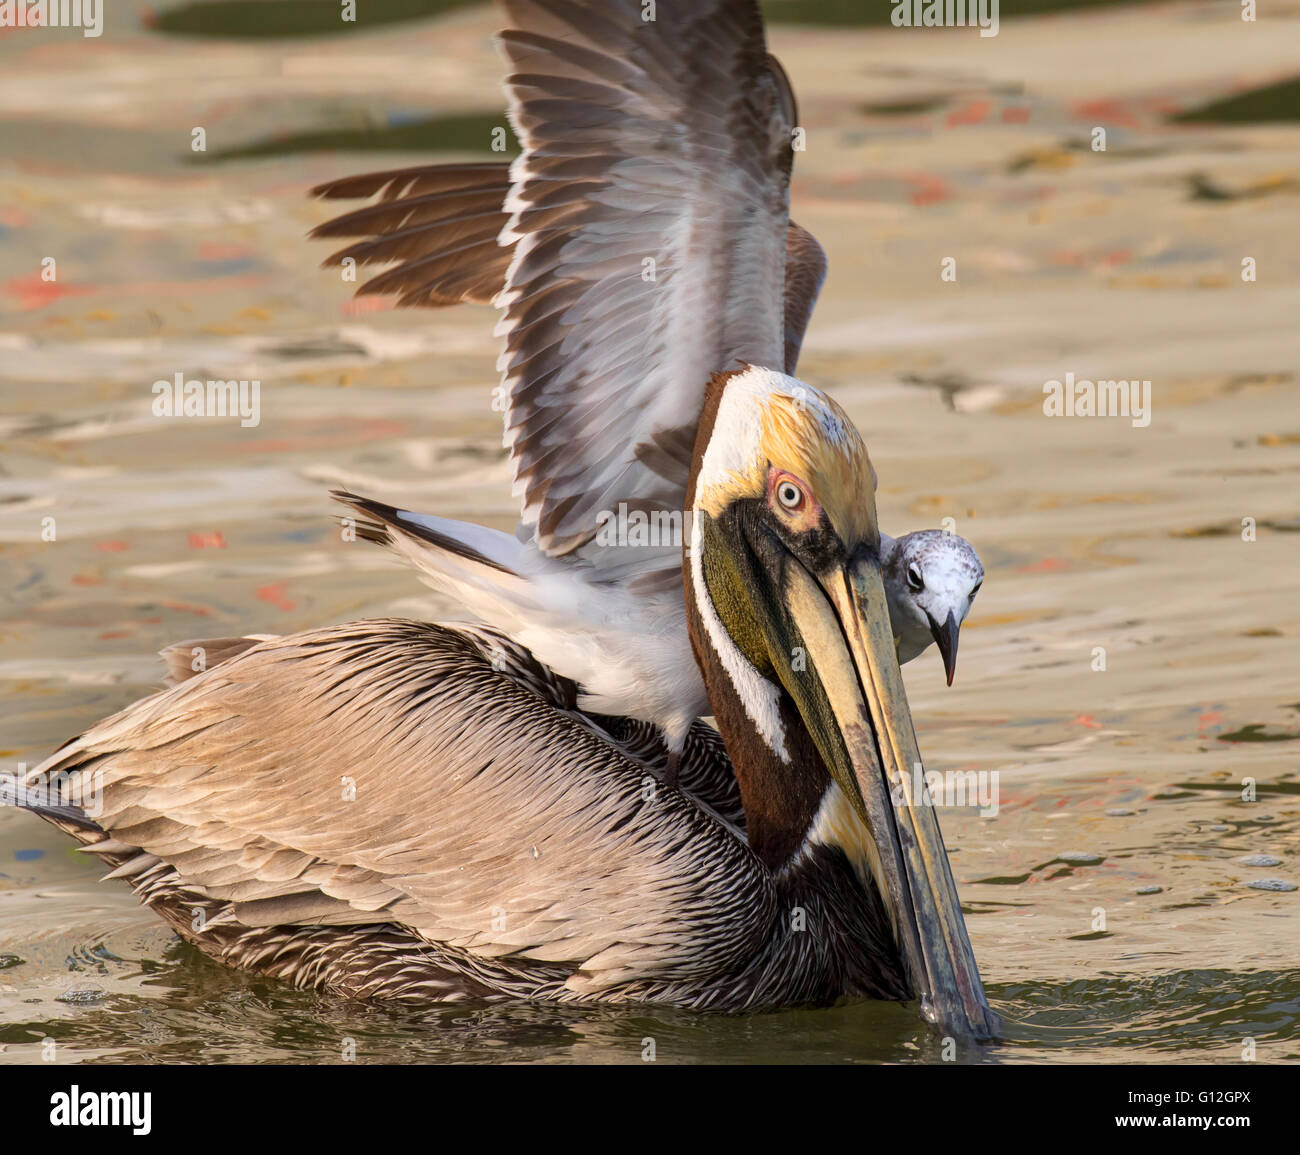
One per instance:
(760,698)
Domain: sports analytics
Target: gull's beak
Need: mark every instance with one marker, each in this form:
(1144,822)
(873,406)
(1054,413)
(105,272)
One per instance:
(945,637)
(852,701)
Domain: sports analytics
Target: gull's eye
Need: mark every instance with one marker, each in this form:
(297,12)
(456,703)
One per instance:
(790,496)
(914,579)
(975,590)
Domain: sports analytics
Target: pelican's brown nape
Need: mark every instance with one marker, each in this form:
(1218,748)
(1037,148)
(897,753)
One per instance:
(421,812)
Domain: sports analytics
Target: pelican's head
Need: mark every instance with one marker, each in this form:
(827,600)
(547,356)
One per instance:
(791,626)
(931,578)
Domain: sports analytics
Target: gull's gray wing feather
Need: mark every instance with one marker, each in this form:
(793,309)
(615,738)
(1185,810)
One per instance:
(648,218)
(433,222)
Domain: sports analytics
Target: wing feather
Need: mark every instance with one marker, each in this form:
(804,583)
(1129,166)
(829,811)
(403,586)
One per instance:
(478,265)
(643,243)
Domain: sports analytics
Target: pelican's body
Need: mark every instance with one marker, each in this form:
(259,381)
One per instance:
(348,890)
(422,812)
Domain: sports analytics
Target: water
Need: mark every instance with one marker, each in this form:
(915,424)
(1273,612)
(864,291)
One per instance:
(1107,900)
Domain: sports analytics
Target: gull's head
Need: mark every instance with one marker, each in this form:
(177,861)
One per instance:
(790,622)
(932,578)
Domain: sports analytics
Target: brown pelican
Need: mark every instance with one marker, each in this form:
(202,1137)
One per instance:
(423,812)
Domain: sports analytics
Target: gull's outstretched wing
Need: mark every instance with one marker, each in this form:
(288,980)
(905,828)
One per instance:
(644,245)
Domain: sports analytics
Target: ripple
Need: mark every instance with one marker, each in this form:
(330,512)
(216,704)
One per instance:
(1183,1014)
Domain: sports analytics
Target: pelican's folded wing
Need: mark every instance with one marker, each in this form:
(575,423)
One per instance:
(383,772)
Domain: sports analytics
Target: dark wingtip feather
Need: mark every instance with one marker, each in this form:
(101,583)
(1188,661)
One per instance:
(391,521)
(373,531)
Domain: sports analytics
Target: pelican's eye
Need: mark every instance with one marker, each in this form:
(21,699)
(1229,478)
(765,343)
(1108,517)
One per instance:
(790,496)
(914,579)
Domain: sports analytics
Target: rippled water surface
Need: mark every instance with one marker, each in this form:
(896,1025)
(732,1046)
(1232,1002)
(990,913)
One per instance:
(1113,900)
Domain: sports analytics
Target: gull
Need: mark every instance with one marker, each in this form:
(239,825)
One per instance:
(601,606)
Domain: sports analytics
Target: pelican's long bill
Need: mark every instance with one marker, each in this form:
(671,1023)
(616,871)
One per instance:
(876,754)
(829,639)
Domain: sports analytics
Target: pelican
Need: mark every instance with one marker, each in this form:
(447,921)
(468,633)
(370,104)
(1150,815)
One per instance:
(422,812)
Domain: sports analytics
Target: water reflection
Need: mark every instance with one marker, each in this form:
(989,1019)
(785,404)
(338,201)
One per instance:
(188,1007)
